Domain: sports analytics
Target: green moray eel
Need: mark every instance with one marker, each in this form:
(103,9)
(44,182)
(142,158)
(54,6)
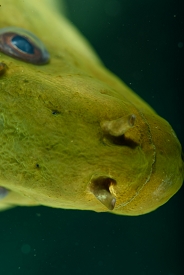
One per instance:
(72,134)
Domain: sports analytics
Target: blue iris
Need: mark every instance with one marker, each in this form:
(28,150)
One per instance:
(23,44)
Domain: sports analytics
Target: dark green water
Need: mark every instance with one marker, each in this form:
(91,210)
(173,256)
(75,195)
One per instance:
(141,42)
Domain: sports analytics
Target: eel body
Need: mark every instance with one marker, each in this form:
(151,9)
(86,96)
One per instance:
(73,135)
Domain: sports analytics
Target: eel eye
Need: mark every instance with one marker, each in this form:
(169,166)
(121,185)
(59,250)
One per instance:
(23,45)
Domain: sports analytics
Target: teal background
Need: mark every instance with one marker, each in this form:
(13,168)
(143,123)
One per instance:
(141,42)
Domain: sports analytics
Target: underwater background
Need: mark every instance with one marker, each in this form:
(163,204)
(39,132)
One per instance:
(141,42)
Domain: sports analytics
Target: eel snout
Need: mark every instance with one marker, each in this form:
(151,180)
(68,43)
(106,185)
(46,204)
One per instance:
(102,186)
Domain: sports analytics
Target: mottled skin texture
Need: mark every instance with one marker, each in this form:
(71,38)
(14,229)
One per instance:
(49,158)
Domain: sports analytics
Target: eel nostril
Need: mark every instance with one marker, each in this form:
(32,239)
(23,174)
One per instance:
(100,186)
(114,131)
(118,127)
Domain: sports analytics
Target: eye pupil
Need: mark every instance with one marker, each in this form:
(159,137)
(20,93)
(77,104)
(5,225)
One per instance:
(22,44)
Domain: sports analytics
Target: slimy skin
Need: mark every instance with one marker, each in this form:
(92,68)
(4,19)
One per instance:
(72,134)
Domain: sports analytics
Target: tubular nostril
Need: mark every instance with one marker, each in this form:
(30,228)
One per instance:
(114,131)
(118,127)
(100,187)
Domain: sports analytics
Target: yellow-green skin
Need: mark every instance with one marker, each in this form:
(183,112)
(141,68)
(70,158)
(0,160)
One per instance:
(70,146)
